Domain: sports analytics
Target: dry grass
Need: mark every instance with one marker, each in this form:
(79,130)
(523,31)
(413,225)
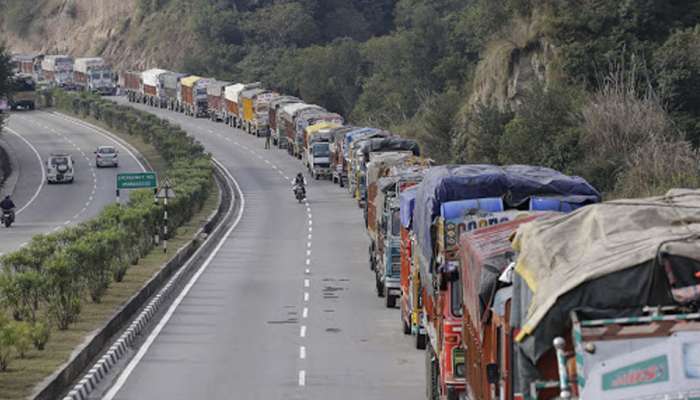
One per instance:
(24,374)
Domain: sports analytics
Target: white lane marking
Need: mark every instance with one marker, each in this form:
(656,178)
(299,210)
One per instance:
(306,296)
(311,229)
(161,324)
(118,141)
(302,352)
(302,331)
(308,210)
(41,167)
(302,378)
(308,262)
(308,252)
(306,283)
(305,312)
(67,222)
(310,236)
(308,244)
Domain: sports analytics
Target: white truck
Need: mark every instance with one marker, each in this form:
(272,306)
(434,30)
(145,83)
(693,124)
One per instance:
(58,70)
(93,74)
(150,84)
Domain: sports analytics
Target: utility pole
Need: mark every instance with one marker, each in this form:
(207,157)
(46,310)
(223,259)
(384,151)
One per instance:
(165,192)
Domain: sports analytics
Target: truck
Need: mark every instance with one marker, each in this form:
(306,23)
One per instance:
(130,81)
(371,148)
(354,141)
(215,100)
(193,96)
(234,110)
(149,86)
(336,150)
(317,153)
(286,122)
(251,117)
(93,74)
(29,64)
(273,109)
(411,307)
(607,309)
(58,70)
(23,92)
(168,84)
(284,117)
(261,107)
(442,199)
(385,221)
(304,118)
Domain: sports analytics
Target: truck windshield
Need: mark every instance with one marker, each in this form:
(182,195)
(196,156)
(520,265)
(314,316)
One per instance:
(321,150)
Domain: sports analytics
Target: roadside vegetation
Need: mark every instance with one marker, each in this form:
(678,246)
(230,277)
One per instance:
(63,285)
(443,72)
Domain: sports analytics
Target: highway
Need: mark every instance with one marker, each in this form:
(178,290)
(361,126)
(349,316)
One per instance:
(41,208)
(286,309)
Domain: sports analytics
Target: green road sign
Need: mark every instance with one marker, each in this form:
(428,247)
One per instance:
(140,180)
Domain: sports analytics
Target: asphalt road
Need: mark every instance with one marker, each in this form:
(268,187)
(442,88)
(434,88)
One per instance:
(41,208)
(286,309)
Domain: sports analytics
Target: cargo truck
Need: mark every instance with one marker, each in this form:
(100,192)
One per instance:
(215,100)
(387,224)
(93,74)
(273,110)
(23,92)
(252,117)
(303,119)
(168,84)
(354,142)
(193,96)
(234,109)
(336,150)
(317,154)
(374,147)
(607,309)
(29,64)
(149,86)
(443,196)
(284,116)
(130,82)
(58,71)
(286,123)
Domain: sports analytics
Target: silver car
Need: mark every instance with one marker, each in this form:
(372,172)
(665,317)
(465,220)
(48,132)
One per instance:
(106,156)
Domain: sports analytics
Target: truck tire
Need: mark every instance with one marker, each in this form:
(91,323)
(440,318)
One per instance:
(421,341)
(406,326)
(390,300)
(432,390)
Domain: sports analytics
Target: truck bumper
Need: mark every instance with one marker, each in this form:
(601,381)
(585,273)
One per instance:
(393,286)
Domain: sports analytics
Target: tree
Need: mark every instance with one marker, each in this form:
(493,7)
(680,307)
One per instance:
(479,134)
(5,77)
(64,290)
(436,125)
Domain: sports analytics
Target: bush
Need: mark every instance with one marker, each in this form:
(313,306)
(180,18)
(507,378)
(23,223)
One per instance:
(54,272)
(7,341)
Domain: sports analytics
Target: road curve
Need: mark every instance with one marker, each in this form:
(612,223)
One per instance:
(42,208)
(286,309)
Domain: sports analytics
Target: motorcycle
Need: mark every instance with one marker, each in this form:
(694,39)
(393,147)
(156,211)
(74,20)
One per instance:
(299,192)
(7,218)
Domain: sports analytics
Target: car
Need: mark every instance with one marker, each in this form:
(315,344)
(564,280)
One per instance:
(106,156)
(59,168)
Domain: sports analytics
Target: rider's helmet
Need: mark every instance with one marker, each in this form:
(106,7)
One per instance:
(300,176)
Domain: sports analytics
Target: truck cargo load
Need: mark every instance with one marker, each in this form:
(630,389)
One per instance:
(93,74)
(619,283)
(58,70)
(274,108)
(515,183)
(150,83)
(168,84)
(215,99)
(261,113)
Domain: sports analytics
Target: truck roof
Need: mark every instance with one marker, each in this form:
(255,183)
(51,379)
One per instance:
(250,93)
(215,86)
(190,80)
(82,64)
(150,76)
(292,108)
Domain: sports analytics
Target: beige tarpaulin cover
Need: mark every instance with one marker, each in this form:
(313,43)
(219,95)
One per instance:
(559,254)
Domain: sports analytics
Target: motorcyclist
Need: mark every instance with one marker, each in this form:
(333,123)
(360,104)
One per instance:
(7,204)
(299,181)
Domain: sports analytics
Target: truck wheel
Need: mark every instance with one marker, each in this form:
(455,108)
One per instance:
(390,301)
(406,326)
(421,341)
(432,376)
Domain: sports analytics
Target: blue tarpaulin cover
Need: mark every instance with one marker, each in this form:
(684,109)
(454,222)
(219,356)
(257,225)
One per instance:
(516,184)
(456,209)
(407,202)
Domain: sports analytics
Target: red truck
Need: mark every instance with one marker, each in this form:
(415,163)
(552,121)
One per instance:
(131,84)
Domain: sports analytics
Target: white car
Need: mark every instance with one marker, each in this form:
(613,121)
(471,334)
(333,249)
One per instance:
(59,168)
(106,156)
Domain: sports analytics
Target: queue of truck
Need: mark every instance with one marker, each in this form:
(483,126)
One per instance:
(516,281)
(92,74)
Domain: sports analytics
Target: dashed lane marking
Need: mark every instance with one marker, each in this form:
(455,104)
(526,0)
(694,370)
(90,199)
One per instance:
(302,331)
